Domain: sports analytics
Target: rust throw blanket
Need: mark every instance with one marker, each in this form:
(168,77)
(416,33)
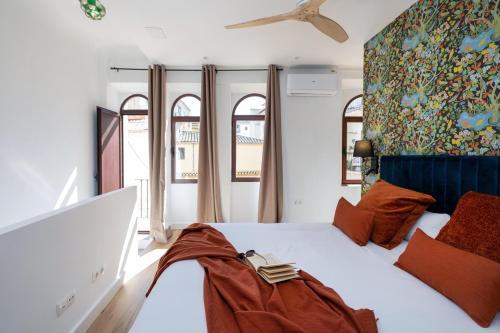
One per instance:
(238,300)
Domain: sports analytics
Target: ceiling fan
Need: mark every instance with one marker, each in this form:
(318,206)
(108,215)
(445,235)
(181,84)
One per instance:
(306,11)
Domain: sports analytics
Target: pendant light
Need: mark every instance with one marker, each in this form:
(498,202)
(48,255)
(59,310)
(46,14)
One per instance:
(93,9)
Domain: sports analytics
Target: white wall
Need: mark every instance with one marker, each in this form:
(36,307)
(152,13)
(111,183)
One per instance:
(49,88)
(44,259)
(312,147)
(312,140)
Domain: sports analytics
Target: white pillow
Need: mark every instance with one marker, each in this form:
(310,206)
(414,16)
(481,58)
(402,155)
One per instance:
(430,223)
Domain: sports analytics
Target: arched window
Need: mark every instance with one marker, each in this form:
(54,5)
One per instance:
(135,102)
(247,138)
(185,138)
(352,131)
(135,153)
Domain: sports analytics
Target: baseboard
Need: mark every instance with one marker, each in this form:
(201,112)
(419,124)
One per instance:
(83,325)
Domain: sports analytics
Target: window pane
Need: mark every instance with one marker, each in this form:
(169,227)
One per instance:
(355,108)
(187,137)
(136,103)
(253,105)
(249,141)
(353,164)
(182,153)
(136,164)
(187,106)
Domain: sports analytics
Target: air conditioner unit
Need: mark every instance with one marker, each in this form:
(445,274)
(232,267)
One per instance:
(312,84)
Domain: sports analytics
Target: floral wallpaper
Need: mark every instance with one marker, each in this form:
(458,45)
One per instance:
(432,81)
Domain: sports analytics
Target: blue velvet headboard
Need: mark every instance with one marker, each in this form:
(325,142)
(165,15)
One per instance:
(444,177)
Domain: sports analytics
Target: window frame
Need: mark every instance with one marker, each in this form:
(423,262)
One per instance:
(131,112)
(234,121)
(345,120)
(173,121)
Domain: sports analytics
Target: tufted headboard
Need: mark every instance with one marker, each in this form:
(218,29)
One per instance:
(444,177)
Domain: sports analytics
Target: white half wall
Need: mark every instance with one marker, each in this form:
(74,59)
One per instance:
(49,87)
(46,258)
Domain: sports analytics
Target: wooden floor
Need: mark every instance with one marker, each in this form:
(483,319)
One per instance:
(120,313)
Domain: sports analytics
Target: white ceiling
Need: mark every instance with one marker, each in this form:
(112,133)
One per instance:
(195,31)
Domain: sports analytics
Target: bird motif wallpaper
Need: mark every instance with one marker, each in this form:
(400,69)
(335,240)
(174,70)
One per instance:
(432,81)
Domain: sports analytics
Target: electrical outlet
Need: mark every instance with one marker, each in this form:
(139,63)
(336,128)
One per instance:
(297,202)
(97,274)
(64,304)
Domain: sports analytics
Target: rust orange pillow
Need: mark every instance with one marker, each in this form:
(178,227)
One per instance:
(469,280)
(355,222)
(475,225)
(396,211)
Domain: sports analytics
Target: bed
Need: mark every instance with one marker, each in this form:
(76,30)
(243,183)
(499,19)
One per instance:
(365,277)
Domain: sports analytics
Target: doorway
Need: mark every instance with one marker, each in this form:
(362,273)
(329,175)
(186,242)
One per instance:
(135,157)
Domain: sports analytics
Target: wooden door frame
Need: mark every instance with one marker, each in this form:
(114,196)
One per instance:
(345,120)
(100,110)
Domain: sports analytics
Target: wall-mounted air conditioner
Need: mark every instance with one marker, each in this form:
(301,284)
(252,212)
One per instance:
(312,84)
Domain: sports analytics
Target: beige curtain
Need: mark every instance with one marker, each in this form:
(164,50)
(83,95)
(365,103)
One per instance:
(271,178)
(157,123)
(209,201)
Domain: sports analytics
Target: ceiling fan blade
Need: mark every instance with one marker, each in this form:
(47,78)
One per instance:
(315,4)
(329,27)
(263,21)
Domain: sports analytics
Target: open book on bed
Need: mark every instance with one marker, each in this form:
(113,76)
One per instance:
(271,269)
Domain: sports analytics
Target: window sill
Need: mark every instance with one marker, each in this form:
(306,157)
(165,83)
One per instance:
(246,180)
(351,185)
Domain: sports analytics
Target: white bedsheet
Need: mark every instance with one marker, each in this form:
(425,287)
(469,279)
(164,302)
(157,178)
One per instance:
(364,277)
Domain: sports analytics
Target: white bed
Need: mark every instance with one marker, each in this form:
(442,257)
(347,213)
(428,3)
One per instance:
(364,277)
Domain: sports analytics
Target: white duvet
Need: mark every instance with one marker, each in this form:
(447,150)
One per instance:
(365,277)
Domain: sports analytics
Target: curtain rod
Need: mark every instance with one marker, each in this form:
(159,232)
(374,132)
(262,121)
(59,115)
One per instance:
(117,69)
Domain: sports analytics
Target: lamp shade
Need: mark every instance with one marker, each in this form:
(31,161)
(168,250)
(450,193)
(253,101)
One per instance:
(363,148)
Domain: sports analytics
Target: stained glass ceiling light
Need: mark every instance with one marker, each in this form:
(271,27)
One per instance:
(93,9)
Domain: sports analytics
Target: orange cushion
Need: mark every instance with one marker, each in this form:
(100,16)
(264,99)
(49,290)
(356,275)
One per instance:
(396,211)
(469,280)
(355,222)
(475,225)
